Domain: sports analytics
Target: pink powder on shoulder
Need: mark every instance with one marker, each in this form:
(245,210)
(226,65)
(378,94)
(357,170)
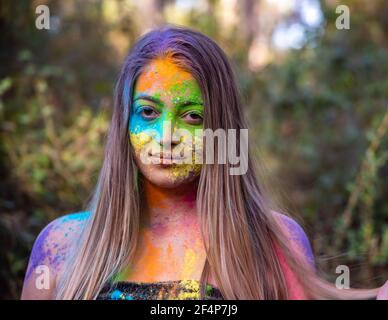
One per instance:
(295,289)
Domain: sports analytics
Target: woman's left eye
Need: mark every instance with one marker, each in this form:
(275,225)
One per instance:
(193,118)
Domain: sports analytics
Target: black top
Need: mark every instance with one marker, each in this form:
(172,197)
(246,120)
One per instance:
(164,290)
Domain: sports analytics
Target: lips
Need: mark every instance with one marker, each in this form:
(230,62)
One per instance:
(165,158)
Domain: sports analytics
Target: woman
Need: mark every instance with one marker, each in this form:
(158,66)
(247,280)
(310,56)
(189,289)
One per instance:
(161,227)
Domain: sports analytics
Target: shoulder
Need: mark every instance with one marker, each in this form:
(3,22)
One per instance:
(296,235)
(49,253)
(52,244)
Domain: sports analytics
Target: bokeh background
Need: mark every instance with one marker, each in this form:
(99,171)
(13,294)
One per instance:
(316,98)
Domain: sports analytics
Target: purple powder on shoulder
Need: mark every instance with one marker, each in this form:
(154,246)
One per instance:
(39,252)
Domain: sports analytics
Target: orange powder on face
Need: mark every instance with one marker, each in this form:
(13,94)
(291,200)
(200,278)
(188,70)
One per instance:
(160,75)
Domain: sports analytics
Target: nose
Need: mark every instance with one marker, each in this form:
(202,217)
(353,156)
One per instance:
(166,137)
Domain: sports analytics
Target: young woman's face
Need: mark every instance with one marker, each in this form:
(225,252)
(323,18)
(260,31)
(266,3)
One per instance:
(165,124)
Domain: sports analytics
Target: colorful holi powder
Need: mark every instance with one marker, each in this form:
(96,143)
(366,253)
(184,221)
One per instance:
(298,238)
(147,265)
(165,93)
(162,69)
(166,100)
(179,257)
(52,245)
(190,263)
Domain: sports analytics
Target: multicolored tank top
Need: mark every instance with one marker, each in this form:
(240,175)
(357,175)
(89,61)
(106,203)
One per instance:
(164,290)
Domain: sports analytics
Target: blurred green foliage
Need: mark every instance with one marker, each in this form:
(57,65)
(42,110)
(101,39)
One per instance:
(319,116)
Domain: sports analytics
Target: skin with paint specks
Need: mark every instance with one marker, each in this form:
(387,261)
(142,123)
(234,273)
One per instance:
(170,243)
(171,247)
(51,249)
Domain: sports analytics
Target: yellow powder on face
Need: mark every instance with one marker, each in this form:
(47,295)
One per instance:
(176,172)
(182,171)
(140,140)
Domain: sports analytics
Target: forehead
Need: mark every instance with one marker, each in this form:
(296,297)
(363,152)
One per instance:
(163,76)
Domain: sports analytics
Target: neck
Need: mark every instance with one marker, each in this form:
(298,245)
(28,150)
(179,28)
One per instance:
(165,207)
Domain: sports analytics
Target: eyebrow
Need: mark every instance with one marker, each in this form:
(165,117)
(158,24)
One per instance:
(189,103)
(148,98)
(143,96)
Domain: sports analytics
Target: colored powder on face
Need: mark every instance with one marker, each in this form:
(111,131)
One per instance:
(140,140)
(162,75)
(184,171)
(171,85)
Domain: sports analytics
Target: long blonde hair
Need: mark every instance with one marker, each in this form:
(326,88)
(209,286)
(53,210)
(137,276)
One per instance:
(240,233)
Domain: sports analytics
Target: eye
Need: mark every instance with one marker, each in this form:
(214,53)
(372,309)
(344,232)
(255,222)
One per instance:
(193,118)
(148,113)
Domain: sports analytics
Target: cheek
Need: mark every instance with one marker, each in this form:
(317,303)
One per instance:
(139,134)
(190,134)
(139,140)
(136,125)
(193,147)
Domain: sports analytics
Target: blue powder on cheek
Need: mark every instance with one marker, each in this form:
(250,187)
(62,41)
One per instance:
(137,124)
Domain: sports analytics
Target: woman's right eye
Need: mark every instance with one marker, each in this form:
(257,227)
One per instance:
(148,113)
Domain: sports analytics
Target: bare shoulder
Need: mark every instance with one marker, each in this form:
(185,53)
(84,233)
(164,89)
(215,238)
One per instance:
(52,246)
(296,235)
